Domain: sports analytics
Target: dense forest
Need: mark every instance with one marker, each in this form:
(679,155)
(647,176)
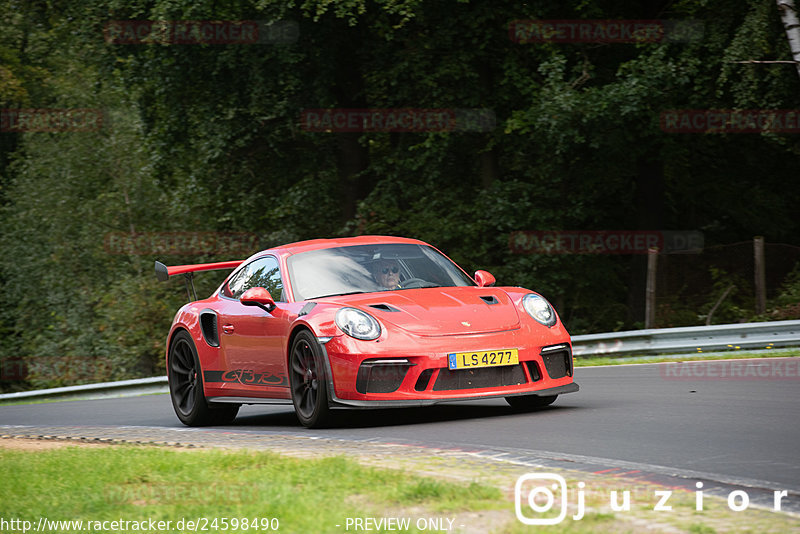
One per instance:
(224,138)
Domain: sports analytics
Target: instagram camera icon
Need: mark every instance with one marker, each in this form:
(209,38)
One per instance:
(533,498)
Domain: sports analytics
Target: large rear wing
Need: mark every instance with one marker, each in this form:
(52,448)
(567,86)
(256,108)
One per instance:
(163,272)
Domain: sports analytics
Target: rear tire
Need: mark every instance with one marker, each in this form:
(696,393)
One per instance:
(531,402)
(307,379)
(186,386)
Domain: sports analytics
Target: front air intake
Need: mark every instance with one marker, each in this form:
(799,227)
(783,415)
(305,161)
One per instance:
(381,376)
(557,361)
(423,380)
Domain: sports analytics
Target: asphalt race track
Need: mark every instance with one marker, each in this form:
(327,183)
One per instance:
(740,431)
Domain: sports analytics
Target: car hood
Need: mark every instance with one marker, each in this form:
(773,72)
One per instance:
(441,311)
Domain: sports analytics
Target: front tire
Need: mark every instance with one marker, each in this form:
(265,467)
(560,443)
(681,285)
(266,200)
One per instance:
(186,386)
(531,402)
(307,379)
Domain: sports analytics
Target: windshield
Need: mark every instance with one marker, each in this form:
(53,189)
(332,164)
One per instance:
(369,268)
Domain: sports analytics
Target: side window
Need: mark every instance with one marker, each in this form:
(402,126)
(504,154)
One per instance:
(233,285)
(263,272)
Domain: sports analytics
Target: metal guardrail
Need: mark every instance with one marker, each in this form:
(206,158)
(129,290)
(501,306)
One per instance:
(745,336)
(124,388)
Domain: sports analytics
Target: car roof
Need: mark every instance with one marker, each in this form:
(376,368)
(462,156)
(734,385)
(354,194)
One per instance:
(317,244)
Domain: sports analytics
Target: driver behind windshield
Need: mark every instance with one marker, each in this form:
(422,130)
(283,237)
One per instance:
(387,273)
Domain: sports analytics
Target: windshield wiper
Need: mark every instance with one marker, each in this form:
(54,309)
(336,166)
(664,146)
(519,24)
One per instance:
(336,295)
(421,285)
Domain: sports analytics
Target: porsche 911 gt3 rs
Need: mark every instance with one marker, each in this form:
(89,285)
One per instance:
(363,322)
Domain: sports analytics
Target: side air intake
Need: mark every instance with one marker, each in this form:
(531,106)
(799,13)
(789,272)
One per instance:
(208,324)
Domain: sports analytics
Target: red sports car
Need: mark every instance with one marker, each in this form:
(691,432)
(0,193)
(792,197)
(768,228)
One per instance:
(363,322)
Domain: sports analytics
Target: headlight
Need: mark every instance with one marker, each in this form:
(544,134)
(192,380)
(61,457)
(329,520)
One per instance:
(538,308)
(357,324)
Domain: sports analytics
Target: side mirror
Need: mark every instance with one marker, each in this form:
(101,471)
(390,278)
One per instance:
(484,278)
(258,296)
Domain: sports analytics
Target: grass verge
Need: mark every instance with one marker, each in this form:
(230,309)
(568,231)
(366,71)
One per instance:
(95,483)
(133,483)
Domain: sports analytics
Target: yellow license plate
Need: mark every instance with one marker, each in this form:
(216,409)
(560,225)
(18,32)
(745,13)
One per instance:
(482,358)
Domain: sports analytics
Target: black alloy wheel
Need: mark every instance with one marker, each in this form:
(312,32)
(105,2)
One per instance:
(307,376)
(186,387)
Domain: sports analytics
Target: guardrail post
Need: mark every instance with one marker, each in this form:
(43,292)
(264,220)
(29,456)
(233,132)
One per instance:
(760,275)
(650,291)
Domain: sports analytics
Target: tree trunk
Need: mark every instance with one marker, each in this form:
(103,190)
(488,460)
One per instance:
(792,26)
(649,204)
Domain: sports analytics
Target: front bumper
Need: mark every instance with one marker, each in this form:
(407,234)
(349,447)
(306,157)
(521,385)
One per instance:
(373,375)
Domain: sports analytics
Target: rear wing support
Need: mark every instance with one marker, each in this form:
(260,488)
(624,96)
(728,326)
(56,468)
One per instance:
(188,278)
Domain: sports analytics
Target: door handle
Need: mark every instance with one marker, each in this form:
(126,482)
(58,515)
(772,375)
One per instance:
(227,329)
